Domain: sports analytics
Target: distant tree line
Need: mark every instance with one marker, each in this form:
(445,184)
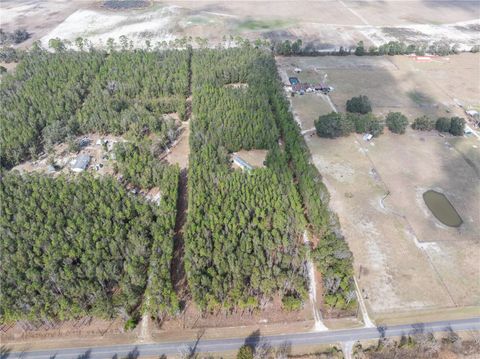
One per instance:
(441,48)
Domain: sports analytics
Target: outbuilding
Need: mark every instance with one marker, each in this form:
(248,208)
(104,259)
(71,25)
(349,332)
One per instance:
(81,163)
(367,136)
(241,163)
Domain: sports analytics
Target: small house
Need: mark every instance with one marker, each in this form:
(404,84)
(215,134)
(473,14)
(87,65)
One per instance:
(51,169)
(301,88)
(472,113)
(81,163)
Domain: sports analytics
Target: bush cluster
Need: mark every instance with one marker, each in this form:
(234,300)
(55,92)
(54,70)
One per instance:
(336,124)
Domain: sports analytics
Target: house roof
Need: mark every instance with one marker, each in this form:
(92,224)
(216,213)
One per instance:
(300,87)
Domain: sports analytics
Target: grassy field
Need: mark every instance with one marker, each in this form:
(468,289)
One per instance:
(398,83)
(405,259)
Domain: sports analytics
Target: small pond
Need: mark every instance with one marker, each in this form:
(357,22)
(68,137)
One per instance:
(442,209)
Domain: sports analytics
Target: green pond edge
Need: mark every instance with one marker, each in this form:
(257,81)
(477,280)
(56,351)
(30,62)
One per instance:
(447,215)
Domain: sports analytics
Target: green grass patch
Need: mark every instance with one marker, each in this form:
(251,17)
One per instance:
(198,20)
(252,24)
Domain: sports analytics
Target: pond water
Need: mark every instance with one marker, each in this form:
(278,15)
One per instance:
(442,209)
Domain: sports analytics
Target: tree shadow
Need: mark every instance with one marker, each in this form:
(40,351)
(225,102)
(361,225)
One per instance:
(284,350)
(382,330)
(4,352)
(133,354)
(85,355)
(253,339)
(260,346)
(190,351)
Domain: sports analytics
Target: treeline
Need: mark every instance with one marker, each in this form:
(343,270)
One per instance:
(332,256)
(360,119)
(139,166)
(391,48)
(243,237)
(53,96)
(453,125)
(420,343)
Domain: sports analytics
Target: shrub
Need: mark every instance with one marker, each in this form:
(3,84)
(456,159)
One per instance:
(423,123)
(291,303)
(443,124)
(333,125)
(457,126)
(8,54)
(367,123)
(245,352)
(396,122)
(360,50)
(360,104)
(131,323)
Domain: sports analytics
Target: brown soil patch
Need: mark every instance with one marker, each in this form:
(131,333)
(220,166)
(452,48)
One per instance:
(179,151)
(192,318)
(87,326)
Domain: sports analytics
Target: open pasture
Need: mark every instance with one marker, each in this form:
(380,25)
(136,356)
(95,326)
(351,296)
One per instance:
(406,261)
(402,83)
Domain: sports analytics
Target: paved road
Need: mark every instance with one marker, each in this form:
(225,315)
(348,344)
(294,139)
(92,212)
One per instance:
(217,345)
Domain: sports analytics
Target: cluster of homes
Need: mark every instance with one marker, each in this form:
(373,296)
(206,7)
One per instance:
(304,87)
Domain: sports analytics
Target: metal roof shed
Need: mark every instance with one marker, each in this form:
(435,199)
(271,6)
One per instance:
(242,164)
(81,163)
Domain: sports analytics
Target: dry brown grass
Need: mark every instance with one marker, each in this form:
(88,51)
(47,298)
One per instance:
(407,261)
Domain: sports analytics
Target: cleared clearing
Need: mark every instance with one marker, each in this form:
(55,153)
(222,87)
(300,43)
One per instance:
(255,158)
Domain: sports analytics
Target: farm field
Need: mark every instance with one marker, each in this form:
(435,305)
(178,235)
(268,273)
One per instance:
(405,259)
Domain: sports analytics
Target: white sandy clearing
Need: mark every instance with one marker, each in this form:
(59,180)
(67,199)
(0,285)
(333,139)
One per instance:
(99,26)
